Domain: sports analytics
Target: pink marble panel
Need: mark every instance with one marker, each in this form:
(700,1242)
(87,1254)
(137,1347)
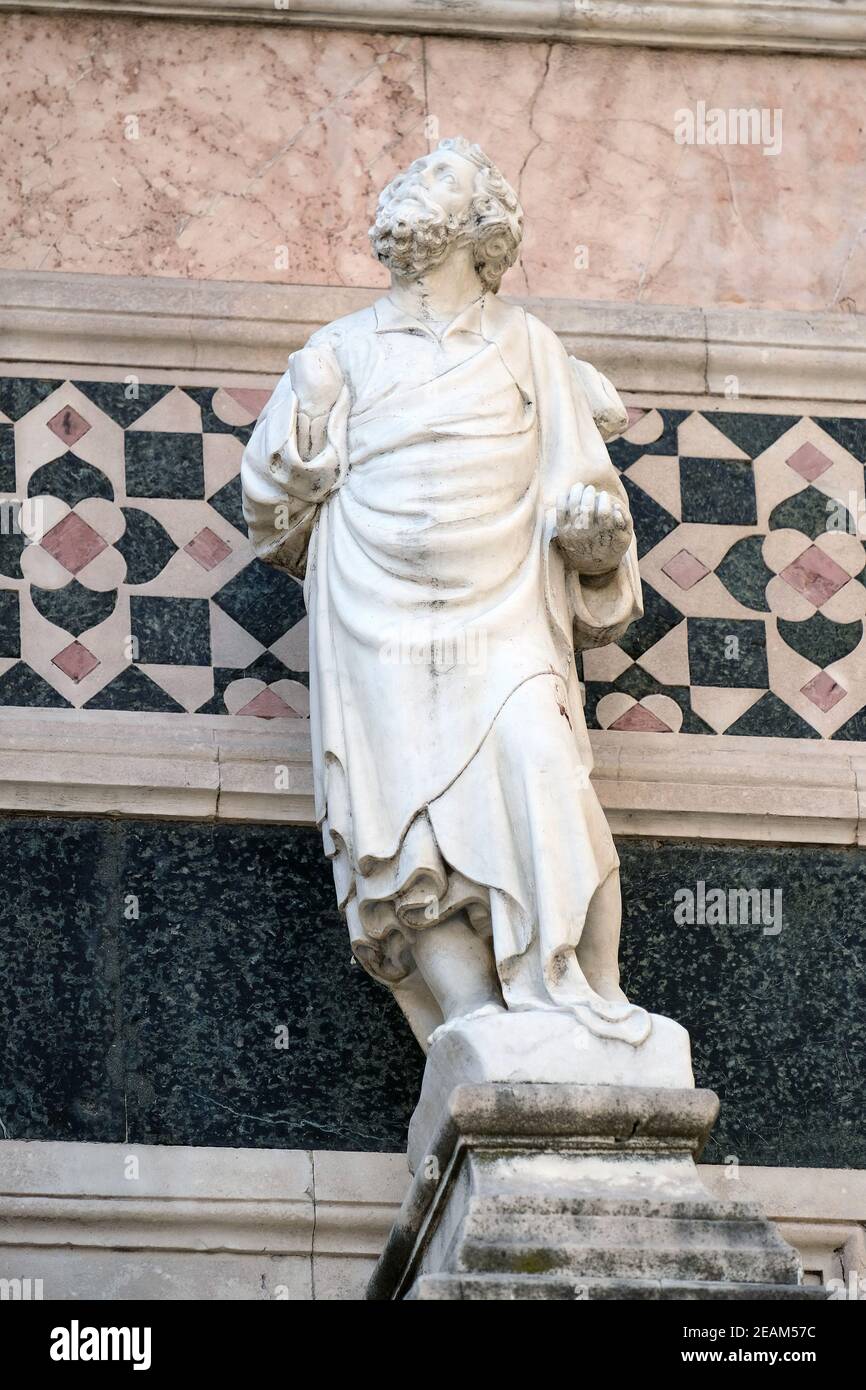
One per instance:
(247,152)
(204,150)
(587,133)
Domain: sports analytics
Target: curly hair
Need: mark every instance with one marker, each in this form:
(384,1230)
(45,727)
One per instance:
(496,217)
(494,220)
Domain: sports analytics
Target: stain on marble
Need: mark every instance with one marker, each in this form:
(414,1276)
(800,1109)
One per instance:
(236,152)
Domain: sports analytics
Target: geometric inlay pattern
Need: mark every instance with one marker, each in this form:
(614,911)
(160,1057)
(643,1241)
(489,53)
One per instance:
(141,590)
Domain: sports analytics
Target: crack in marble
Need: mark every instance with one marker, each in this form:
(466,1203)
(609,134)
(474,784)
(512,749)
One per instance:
(837,297)
(538,139)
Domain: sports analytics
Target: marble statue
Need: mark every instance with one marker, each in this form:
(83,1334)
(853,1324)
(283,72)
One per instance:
(434,468)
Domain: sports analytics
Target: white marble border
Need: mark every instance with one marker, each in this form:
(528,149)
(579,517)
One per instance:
(54,318)
(233,768)
(243,1223)
(798,26)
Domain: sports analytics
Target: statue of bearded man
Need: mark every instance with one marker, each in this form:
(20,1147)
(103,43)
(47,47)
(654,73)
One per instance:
(433,467)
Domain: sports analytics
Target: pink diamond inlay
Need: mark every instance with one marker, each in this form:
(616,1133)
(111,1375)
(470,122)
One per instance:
(634,413)
(250,397)
(268,705)
(75,661)
(809,462)
(823,691)
(73,543)
(208,549)
(815,575)
(640,720)
(685,569)
(68,425)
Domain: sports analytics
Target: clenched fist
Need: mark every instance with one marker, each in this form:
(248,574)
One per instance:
(593,529)
(316,380)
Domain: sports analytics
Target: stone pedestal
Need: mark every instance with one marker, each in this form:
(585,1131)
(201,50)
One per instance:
(559,1190)
(542,1046)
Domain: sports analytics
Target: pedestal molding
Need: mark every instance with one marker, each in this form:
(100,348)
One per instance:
(341,1204)
(234,328)
(210,767)
(751,25)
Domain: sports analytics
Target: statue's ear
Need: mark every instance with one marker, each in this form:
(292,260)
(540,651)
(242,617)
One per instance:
(608,411)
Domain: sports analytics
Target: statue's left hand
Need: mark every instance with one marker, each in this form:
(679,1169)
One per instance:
(593,529)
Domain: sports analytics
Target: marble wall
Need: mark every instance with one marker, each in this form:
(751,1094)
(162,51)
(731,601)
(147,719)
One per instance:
(133,1009)
(254,152)
(131,1006)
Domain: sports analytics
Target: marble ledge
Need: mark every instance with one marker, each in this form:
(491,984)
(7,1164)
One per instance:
(168,324)
(243,1201)
(750,25)
(235,768)
(223,1223)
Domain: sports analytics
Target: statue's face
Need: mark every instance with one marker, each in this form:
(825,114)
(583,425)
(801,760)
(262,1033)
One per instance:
(447,179)
(423,212)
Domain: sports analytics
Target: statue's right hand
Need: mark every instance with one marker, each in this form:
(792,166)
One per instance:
(316,380)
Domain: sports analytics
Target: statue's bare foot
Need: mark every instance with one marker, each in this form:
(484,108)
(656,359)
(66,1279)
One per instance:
(632,1025)
(609,988)
(603,997)
(484,1011)
(611,1010)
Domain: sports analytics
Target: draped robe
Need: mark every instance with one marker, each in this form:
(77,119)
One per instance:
(450,751)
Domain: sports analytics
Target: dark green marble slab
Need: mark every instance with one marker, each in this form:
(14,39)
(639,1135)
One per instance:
(160,1027)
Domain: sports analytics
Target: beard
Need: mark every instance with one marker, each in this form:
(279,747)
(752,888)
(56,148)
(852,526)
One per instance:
(411,233)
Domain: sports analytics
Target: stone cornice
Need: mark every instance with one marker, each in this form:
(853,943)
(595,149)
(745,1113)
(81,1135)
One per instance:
(56,319)
(210,767)
(328,1205)
(799,26)
(197,1200)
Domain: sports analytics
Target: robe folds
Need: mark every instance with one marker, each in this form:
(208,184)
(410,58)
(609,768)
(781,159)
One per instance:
(450,750)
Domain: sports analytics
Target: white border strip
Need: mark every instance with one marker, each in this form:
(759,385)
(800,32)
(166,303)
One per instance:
(234,326)
(798,26)
(235,768)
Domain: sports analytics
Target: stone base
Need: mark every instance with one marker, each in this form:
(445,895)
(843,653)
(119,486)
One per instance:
(563,1191)
(490,1289)
(542,1046)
